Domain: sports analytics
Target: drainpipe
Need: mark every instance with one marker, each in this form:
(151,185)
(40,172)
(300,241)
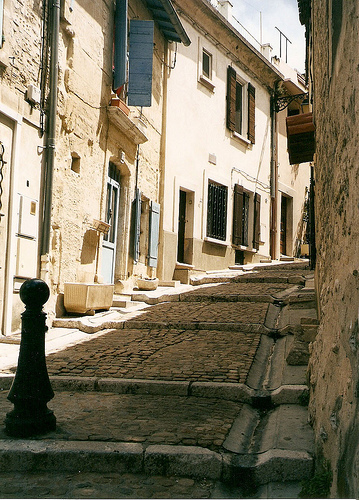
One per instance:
(273,179)
(54,6)
(161,251)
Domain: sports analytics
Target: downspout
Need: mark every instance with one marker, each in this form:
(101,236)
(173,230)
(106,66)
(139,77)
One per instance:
(161,250)
(273,178)
(54,18)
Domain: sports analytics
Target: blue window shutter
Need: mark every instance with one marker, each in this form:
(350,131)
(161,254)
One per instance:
(154,234)
(136,221)
(140,63)
(120,56)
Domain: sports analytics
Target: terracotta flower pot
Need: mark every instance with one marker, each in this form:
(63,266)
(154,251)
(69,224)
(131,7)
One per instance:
(116,101)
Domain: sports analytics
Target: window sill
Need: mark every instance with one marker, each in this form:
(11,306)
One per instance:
(242,139)
(132,128)
(217,242)
(207,83)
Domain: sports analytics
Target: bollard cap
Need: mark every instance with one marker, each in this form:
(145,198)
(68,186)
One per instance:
(34,293)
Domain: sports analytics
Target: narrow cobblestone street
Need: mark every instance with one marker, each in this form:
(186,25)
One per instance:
(165,395)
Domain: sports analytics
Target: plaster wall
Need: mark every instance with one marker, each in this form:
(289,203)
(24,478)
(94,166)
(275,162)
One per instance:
(293,183)
(200,147)
(334,362)
(20,137)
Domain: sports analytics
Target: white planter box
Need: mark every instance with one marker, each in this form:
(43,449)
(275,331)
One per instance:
(87,297)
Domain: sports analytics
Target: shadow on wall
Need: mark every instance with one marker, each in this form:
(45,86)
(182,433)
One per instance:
(89,247)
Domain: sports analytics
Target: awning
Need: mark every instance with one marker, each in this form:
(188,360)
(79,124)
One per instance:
(168,21)
(301,138)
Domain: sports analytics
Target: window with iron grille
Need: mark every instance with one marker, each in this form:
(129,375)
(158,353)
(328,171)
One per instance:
(217,211)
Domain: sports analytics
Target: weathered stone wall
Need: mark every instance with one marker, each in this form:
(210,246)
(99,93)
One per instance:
(334,375)
(85,131)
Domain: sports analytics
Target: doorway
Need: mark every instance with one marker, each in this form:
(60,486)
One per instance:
(6,138)
(111,217)
(181,226)
(283,226)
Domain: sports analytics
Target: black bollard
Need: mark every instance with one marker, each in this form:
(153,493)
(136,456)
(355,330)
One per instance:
(31,389)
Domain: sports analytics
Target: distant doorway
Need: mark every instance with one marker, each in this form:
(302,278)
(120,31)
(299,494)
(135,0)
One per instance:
(283,226)
(181,226)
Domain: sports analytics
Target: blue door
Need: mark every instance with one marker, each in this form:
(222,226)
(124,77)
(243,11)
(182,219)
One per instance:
(111,217)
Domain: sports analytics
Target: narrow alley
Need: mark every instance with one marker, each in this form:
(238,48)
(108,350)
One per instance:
(202,395)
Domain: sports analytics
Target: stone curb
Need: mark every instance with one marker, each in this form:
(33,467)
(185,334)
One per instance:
(85,327)
(159,325)
(87,456)
(228,298)
(286,394)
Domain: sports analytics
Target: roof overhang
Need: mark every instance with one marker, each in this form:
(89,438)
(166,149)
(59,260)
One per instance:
(166,17)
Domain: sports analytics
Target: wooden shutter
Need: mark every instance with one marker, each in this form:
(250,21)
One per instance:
(251,113)
(237,215)
(231,98)
(140,63)
(257,221)
(120,55)
(153,234)
(136,221)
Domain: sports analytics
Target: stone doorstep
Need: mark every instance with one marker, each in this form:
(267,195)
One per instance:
(165,460)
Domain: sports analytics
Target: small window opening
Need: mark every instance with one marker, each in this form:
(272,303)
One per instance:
(75,163)
(207,64)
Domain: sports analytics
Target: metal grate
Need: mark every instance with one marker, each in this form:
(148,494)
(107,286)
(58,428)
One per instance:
(217,211)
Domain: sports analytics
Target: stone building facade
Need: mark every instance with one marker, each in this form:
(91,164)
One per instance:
(102,146)
(333,61)
(98,167)
(228,193)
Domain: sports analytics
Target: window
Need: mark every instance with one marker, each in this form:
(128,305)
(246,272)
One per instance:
(75,163)
(207,64)
(240,108)
(205,68)
(217,211)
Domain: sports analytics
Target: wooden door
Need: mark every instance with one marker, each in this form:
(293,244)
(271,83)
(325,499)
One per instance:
(283,226)
(181,226)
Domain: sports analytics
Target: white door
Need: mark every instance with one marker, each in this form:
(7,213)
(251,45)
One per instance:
(111,217)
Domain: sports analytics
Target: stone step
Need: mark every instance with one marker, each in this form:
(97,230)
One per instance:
(272,446)
(124,302)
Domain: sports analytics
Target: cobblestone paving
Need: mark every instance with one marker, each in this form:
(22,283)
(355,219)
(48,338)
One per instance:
(228,289)
(109,485)
(223,312)
(167,420)
(166,354)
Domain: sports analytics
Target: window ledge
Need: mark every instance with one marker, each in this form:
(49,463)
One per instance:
(207,83)
(217,242)
(131,128)
(182,265)
(242,139)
